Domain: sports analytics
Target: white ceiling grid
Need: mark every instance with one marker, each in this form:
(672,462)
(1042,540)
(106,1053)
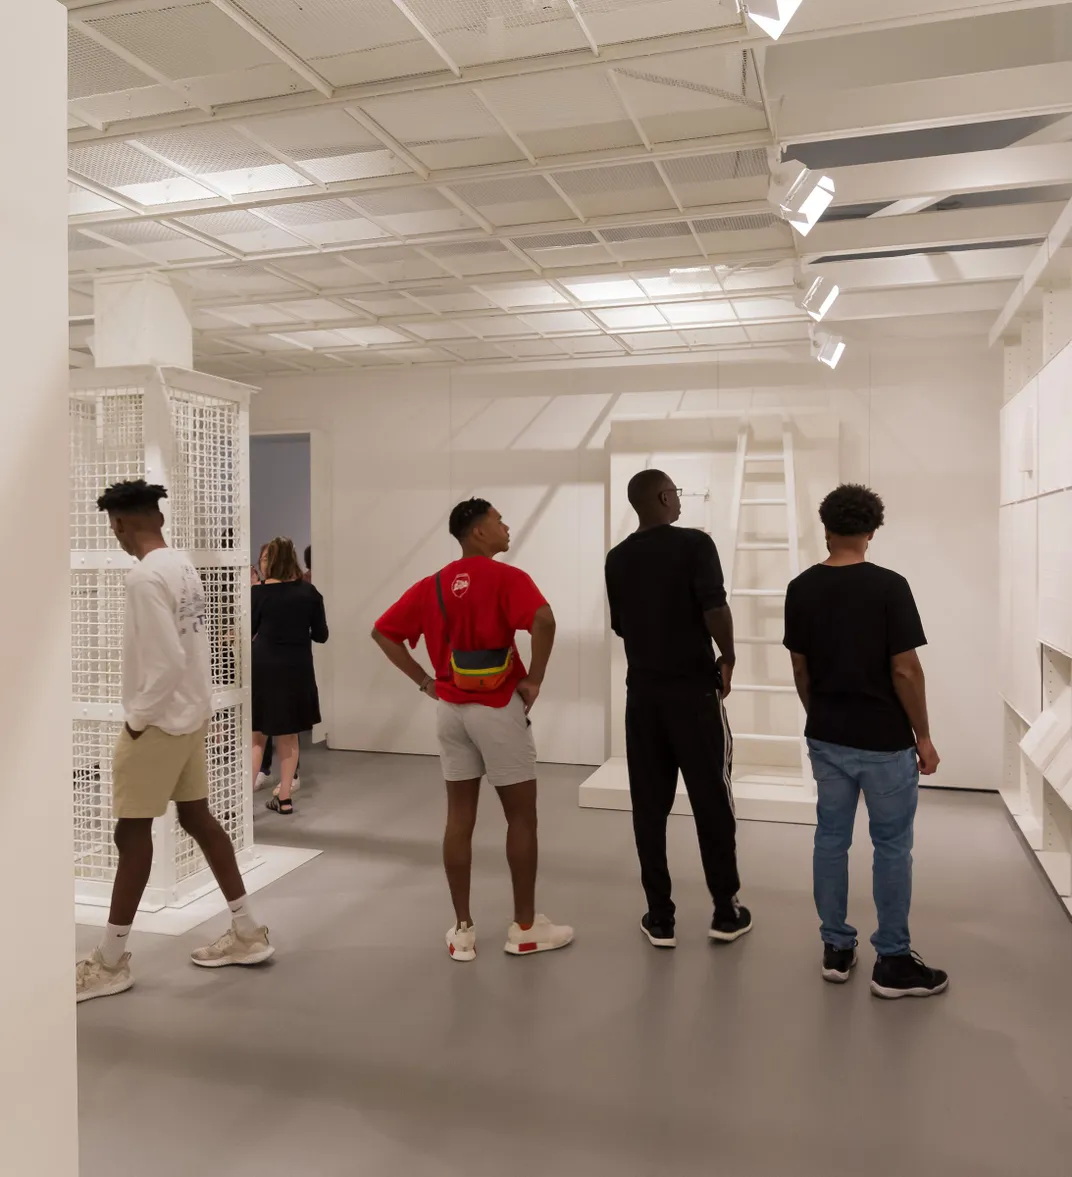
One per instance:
(386,182)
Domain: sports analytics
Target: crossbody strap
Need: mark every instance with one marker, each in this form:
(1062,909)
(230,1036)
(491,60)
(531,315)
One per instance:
(442,606)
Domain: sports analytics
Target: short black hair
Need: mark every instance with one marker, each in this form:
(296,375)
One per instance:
(132,498)
(852,509)
(466,515)
(644,487)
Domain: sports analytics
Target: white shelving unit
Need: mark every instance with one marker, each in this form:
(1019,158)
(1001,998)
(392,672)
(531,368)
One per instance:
(1035,666)
(190,432)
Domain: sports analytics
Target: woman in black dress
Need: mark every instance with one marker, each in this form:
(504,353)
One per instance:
(287,617)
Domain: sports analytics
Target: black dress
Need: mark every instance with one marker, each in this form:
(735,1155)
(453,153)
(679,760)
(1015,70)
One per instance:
(286,619)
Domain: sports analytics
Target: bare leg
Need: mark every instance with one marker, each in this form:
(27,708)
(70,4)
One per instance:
(134,841)
(462,800)
(197,820)
(286,748)
(522,853)
(259,742)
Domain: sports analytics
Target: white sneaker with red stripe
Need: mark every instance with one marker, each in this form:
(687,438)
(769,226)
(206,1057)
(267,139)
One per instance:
(543,936)
(461,942)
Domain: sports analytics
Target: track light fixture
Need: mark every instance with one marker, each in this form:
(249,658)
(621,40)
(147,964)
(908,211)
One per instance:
(799,195)
(817,297)
(827,349)
(770,15)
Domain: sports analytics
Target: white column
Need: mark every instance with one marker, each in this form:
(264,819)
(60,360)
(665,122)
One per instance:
(141,319)
(38,1111)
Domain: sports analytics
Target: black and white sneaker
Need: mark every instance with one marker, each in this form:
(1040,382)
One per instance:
(838,963)
(660,932)
(906,976)
(730,923)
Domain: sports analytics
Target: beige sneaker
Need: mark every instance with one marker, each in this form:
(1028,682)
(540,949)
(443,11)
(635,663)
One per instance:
(232,948)
(93,978)
(461,942)
(543,936)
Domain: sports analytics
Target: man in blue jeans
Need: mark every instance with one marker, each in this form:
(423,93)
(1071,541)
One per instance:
(852,630)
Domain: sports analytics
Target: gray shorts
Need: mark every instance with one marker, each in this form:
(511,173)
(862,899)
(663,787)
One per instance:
(476,741)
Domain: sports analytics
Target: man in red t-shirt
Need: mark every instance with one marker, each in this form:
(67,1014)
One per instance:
(476,604)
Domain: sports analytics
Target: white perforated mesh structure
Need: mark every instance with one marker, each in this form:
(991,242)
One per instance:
(189,432)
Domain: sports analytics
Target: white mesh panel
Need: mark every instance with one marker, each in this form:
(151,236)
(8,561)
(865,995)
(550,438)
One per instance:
(109,435)
(107,445)
(227,791)
(204,493)
(95,855)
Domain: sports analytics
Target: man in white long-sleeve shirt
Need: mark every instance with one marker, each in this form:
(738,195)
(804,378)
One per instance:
(160,756)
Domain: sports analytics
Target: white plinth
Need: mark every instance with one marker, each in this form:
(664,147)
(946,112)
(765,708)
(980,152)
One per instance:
(757,797)
(268,864)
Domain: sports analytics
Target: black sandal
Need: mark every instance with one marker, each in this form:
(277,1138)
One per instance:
(278,806)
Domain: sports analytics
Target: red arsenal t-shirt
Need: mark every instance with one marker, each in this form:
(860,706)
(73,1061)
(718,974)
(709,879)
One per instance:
(486,602)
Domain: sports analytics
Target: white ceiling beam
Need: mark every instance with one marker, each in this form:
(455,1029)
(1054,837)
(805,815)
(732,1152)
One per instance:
(938,102)
(426,34)
(715,145)
(1045,265)
(932,230)
(393,145)
(586,32)
(276,47)
(79,359)
(929,300)
(89,185)
(928,269)
(939,176)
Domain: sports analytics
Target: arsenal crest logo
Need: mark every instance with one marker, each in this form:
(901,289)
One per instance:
(461,584)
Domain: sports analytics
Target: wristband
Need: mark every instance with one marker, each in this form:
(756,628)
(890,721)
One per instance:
(424,685)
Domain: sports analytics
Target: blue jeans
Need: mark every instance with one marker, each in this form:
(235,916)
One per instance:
(890,785)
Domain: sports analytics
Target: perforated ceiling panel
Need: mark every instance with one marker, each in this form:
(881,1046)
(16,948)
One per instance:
(187,41)
(613,21)
(115,165)
(411,118)
(328,28)
(476,31)
(91,69)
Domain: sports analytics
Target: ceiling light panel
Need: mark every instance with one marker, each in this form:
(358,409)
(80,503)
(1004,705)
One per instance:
(475,32)
(500,326)
(696,314)
(533,294)
(623,318)
(80,201)
(614,21)
(118,166)
(329,145)
(767,308)
(452,130)
(92,69)
(371,335)
(698,280)
(226,160)
(656,341)
(601,290)
(518,201)
(563,113)
(187,41)
(552,322)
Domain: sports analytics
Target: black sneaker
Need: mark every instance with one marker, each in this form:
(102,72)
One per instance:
(906,976)
(838,963)
(730,922)
(659,931)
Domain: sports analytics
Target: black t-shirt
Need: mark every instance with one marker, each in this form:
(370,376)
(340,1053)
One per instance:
(660,583)
(848,622)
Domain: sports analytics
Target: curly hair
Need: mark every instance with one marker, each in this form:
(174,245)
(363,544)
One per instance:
(466,515)
(131,498)
(852,509)
(281,560)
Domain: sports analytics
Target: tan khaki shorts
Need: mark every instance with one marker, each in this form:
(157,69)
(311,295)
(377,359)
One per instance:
(495,742)
(157,768)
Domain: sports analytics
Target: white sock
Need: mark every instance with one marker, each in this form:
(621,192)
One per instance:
(243,920)
(114,944)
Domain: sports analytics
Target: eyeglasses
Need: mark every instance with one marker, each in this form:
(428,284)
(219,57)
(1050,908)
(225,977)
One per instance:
(675,490)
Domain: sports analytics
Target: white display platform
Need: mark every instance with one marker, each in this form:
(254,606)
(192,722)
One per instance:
(269,864)
(757,797)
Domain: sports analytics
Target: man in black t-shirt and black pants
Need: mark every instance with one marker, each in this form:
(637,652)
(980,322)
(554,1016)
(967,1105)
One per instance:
(852,629)
(668,600)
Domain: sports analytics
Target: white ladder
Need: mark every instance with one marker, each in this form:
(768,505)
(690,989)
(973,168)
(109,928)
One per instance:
(746,463)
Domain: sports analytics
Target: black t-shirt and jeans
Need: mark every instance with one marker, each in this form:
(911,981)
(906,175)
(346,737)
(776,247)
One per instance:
(660,582)
(849,622)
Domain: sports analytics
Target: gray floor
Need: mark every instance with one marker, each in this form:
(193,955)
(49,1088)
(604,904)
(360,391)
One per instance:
(363,1050)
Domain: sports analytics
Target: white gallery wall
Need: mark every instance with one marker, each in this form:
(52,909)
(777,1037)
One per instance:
(918,421)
